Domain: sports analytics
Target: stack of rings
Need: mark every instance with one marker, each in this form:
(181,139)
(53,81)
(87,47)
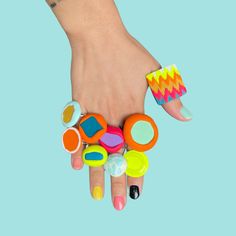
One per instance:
(104,141)
(139,132)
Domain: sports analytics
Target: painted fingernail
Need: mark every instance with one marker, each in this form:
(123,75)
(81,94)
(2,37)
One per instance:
(134,192)
(185,113)
(97,193)
(76,163)
(119,203)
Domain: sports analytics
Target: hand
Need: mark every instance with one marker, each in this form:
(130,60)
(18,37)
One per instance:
(108,77)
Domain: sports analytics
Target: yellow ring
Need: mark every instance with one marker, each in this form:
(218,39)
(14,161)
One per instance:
(94,156)
(137,163)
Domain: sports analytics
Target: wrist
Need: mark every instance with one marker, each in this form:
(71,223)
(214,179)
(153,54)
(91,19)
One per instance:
(85,21)
(95,37)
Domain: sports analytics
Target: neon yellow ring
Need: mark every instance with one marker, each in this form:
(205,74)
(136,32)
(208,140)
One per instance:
(137,163)
(94,156)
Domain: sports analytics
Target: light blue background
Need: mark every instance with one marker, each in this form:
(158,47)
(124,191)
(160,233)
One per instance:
(190,187)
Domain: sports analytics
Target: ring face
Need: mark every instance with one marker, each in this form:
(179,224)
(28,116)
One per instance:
(112,140)
(71,140)
(94,156)
(71,114)
(116,165)
(140,132)
(166,84)
(92,127)
(137,163)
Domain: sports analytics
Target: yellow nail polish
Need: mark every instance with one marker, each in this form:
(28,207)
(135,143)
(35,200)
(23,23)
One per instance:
(97,193)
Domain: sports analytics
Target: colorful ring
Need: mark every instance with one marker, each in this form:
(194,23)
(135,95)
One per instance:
(94,156)
(166,84)
(112,140)
(71,114)
(71,140)
(137,163)
(140,132)
(92,127)
(116,165)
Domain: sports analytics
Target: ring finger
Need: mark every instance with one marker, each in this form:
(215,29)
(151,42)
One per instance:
(118,189)
(96,179)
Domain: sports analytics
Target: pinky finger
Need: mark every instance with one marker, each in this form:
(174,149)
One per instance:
(135,186)
(76,159)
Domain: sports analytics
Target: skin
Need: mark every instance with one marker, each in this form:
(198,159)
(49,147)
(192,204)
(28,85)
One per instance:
(107,73)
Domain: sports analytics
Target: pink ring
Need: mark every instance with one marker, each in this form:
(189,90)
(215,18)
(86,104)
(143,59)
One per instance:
(112,140)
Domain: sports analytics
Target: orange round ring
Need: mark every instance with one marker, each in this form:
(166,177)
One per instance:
(127,129)
(97,126)
(71,140)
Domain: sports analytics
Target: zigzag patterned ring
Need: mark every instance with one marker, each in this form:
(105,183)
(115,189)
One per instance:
(166,84)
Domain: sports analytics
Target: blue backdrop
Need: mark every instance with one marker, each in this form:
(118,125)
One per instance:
(190,186)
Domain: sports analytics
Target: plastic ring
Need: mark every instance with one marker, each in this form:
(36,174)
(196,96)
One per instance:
(71,114)
(92,127)
(166,84)
(94,156)
(137,163)
(112,140)
(140,132)
(71,140)
(116,165)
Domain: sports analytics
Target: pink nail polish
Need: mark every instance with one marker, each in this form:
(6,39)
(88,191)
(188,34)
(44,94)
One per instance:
(76,163)
(119,203)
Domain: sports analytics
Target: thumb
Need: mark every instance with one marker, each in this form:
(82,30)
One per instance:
(167,87)
(176,109)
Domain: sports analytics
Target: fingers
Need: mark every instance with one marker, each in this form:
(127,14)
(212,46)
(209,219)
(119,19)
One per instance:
(76,159)
(71,137)
(167,84)
(96,179)
(118,191)
(135,186)
(176,109)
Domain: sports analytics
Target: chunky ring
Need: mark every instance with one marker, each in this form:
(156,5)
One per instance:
(94,156)
(92,127)
(137,163)
(71,140)
(140,132)
(71,114)
(166,84)
(116,165)
(112,140)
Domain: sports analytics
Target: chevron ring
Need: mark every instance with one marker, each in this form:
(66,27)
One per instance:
(166,84)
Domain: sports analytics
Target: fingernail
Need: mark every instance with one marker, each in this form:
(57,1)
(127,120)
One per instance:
(185,113)
(134,191)
(119,203)
(97,193)
(76,163)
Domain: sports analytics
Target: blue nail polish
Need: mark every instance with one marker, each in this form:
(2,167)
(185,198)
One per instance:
(186,113)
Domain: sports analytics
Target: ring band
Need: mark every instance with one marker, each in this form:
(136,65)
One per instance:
(137,163)
(112,140)
(92,127)
(71,140)
(166,84)
(94,156)
(116,165)
(71,114)
(140,132)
